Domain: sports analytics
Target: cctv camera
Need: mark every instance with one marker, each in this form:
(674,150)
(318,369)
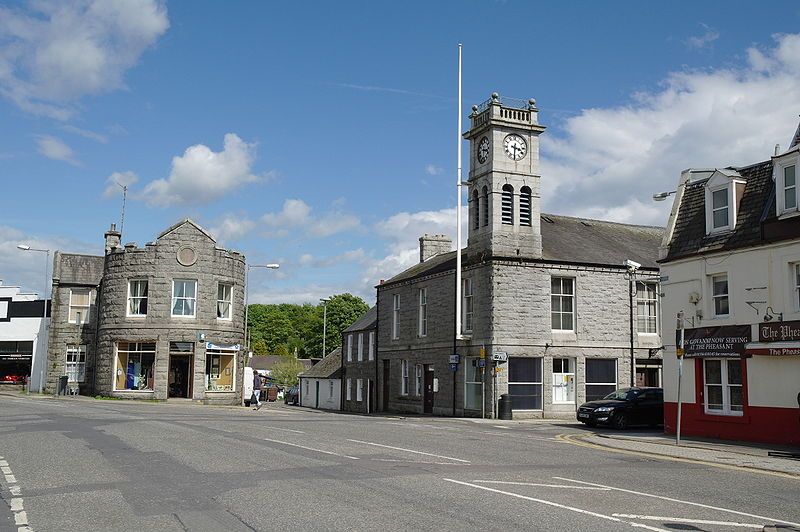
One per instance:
(632,265)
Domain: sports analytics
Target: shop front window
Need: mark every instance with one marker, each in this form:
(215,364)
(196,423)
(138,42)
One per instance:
(135,365)
(472,384)
(220,370)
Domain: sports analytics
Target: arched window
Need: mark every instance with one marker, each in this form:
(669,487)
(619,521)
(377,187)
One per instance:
(485,206)
(525,206)
(508,205)
(475,209)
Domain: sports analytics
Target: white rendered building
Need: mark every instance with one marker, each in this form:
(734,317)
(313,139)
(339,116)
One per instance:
(23,337)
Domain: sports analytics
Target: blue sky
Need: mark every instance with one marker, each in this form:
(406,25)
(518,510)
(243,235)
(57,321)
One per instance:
(321,135)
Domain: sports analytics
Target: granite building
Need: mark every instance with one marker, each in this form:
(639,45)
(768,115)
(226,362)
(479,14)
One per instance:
(158,322)
(358,364)
(548,297)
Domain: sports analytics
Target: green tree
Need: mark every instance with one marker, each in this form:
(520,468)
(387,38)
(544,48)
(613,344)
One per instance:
(259,347)
(343,310)
(285,372)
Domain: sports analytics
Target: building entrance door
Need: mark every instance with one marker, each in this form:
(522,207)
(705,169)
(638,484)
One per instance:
(386,377)
(428,390)
(180,376)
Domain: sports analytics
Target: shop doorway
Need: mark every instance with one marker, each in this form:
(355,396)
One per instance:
(428,391)
(648,373)
(180,376)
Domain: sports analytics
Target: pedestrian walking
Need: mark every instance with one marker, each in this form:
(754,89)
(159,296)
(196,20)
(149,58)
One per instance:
(257,390)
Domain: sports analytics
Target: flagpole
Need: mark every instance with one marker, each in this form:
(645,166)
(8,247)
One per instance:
(458,208)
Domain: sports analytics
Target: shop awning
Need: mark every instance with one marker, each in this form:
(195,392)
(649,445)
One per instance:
(775,349)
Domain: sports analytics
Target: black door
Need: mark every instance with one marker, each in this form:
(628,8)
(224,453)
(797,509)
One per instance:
(428,392)
(317,400)
(386,379)
(179,376)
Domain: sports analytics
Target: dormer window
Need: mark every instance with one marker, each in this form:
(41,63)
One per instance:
(786,187)
(724,191)
(719,209)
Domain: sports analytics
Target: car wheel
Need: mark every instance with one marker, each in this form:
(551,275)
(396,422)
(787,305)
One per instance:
(620,421)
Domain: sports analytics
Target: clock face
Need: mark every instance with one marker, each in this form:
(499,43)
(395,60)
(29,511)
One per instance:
(515,147)
(483,150)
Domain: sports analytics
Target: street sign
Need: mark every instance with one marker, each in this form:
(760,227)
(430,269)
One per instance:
(453,367)
(482,363)
(454,359)
(500,356)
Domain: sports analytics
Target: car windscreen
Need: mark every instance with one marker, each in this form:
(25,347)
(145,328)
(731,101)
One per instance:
(626,394)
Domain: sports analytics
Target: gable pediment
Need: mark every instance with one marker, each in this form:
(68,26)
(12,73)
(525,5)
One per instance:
(186,224)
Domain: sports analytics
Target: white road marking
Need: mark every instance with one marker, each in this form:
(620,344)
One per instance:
(15,490)
(285,430)
(16,504)
(20,518)
(501,427)
(541,485)
(3,463)
(24,529)
(686,520)
(11,479)
(6,470)
(691,503)
(411,461)
(411,451)
(310,448)
(555,504)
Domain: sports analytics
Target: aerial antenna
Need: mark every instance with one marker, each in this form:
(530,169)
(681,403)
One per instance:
(124,198)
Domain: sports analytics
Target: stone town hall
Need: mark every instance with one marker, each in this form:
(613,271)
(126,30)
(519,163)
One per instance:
(549,292)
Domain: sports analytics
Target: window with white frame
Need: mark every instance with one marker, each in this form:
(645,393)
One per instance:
(224,301)
(562,303)
(79,304)
(646,307)
(786,185)
(720,210)
(468,308)
(601,377)
(563,380)
(371,351)
(723,386)
(359,390)
(135,363)
(472,384)
(184,297)
(349,394)
(525,383)
(305,393)
(395,316)
(330,389)
(349,347)
(137,297)
(76,363)
(418,369)
(220,370)
(404,377)
(423,312)
(360,347)
(719,295)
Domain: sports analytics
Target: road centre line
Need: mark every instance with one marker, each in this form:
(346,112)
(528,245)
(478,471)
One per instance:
(689,521)
(541,485)
(310,448)
(555,504)
(411,451)
(285,430)
(671,499)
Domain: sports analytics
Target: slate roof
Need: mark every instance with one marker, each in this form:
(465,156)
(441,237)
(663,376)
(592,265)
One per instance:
(329,367)
(571,240)
(367,321)
(756,206)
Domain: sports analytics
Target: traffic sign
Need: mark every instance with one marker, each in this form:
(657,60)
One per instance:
(500,356)
(453,367)
(454,359)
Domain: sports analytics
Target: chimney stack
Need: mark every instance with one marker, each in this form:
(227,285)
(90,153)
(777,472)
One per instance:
(431,245)
(113,238)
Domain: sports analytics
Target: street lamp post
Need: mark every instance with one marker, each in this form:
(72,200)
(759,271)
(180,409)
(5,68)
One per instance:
(43,329)
(271,266)
(324,302)
(631,267)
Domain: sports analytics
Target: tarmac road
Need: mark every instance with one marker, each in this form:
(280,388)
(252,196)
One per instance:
(85,464)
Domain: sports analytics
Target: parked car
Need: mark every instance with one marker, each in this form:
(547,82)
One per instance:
(292,396)
(625,407)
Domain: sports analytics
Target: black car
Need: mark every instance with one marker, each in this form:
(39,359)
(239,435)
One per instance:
(625,407)
(292,396)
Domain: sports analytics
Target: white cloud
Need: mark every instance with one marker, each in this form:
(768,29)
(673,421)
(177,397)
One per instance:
(232,227)
(701,41)
(54,148)
(54,53)
(354,255)
(296,214)
(117,180)
(610,161)
(201,175)
(85,133)
(432,169)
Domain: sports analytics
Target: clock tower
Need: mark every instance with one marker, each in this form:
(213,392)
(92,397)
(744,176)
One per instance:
(504,193)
